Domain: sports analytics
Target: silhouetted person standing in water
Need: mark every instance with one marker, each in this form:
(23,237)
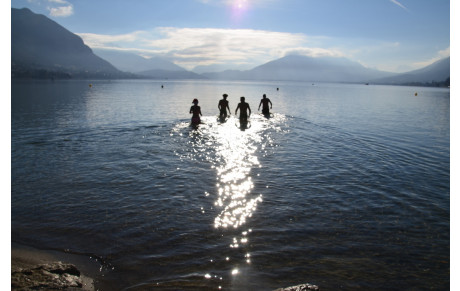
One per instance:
(196,111)
(223,105)
(244,108)
(264,101)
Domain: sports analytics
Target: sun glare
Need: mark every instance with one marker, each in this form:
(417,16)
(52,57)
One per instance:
(239,10)
(236,151)
(242,4)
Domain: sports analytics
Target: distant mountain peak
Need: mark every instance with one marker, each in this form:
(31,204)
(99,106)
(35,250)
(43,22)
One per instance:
(305,68)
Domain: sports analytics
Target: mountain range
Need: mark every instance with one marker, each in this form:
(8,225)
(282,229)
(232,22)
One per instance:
(156,68)
(436,72)
(303,68)
(41,48)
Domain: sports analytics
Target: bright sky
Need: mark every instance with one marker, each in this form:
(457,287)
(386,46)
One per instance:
(390,35)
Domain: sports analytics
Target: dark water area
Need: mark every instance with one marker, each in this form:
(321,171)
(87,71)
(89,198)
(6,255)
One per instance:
(344,186)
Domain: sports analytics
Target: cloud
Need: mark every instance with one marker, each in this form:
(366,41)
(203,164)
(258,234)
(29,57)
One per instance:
(56,8)
(399,4)
(232,39)
(191,47)
(204,46)
(111,41)
(315,52)
(58,1)
(62,11)
(442,54)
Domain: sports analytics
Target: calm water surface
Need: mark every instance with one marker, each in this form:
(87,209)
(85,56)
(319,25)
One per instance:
(345,186)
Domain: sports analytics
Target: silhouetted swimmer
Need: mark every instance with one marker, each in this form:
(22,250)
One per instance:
(277,89)
(223,105)
(161,86)
(265,101)
(244,108)
(196,111)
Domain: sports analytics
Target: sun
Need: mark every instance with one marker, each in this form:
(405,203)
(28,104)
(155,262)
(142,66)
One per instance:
(241,4)
(239,9)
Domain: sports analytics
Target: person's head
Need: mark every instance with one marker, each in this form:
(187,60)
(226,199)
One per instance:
(264,96)
(225,96)
(195,101)
(242,99)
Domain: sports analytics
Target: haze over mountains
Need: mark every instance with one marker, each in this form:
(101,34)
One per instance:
(303,68)
(41,48)
(157,68)
(437,72)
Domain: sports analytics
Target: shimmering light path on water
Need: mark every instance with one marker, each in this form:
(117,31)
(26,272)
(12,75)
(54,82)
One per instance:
(232,149)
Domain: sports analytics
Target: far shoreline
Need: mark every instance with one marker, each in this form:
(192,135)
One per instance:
(433,84)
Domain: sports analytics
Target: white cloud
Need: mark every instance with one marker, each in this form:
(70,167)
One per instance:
(62,11)
(57,8)
(191,47)
(315,52)
(196,46)
(110,41)
(230,39)
(58,1)
(442,54)
(399,4)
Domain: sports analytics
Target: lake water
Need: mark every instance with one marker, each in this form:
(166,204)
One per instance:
(345,186)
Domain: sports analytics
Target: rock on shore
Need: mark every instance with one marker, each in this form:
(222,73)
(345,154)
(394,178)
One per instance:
(36,270)
(301,287)
(56,275)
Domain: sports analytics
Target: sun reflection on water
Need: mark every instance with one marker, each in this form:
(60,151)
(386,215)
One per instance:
(234,154)
(232,151)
